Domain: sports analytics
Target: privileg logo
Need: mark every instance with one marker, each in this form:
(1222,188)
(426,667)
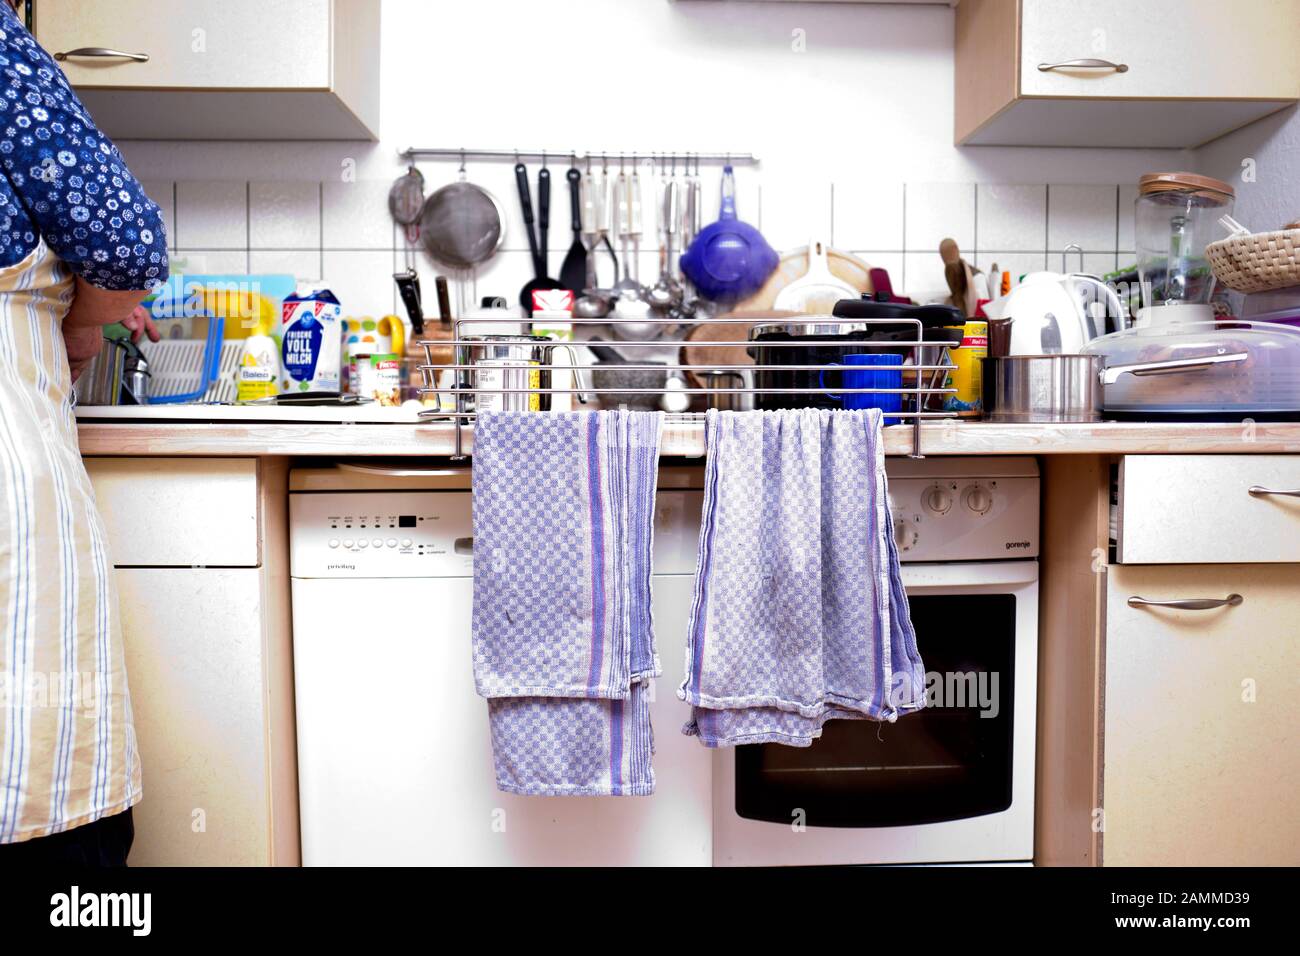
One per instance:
(1017,545)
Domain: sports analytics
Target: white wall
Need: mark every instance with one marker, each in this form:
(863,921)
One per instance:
(1262,162)
(855,137)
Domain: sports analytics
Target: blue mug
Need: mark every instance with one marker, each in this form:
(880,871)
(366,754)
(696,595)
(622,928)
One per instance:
(883,370)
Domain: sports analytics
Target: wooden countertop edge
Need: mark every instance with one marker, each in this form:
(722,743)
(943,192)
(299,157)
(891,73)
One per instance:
(273,439)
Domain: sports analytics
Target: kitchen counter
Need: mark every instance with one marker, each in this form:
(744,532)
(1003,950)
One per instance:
(232,431)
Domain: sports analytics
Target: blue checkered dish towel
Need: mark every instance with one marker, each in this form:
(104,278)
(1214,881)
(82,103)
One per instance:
(799,614)
(562,629)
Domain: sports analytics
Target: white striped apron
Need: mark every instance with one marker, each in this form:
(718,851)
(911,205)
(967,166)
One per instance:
(67,745)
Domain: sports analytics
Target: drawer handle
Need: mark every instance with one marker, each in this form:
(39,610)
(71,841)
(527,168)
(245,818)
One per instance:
(104,52)
(1189,604)
(464,546)
(1255,491)
(1086,63)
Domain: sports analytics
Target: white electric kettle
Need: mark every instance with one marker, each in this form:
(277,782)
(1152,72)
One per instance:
(1056,314)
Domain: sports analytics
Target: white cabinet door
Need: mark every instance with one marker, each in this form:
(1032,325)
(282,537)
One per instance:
(178,512)
(198,44)
(1202,762)
(193,641)
(1209,509)
(1174,49)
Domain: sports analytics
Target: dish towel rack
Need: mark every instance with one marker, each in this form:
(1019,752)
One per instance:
(928,380)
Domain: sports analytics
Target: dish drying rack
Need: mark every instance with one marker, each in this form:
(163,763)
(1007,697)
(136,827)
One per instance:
(922,389)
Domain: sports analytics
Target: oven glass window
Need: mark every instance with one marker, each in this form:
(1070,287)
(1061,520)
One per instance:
(948,761)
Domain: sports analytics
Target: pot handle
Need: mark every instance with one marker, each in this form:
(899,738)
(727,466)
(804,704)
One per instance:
(728,211)
(1110,375)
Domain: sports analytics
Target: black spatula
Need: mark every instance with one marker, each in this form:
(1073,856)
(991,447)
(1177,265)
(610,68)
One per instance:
(573,271)
(540,280)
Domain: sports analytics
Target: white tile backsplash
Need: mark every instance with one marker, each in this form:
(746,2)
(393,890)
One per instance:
(1127,196)
(362,280)
(1011,218)
(355,215)
(868,215)
(938,211)
(297,227)
(284,215)
(1083,215)
(212,215)
(210,261)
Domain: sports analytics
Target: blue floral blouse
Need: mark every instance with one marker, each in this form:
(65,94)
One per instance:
(63,180)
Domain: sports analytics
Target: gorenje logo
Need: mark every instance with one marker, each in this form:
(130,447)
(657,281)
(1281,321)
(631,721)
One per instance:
(1013,545)
(102,909)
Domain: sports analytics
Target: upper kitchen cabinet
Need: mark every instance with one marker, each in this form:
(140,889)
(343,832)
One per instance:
(220,69)
(1161,73)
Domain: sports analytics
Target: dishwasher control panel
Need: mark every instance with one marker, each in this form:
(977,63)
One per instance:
(380,534)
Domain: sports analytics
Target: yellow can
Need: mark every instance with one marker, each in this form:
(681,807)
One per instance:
(968,378)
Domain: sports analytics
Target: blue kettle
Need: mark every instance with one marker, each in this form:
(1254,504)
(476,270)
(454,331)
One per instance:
(729,259)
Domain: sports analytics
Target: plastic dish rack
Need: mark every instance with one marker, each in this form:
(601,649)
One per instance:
(193,370)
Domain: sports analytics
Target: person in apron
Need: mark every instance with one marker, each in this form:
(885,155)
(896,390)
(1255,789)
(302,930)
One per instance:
(80,245)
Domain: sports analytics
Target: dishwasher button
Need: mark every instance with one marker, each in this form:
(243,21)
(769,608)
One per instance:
(392,542)
(363,543)
(378,542)
(406,542)
(347,543)
(334,542)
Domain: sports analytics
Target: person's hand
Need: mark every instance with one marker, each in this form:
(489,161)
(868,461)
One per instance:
(83,343)
(139,322)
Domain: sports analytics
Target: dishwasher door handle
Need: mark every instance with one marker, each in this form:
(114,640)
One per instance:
(464,546)
(400,472)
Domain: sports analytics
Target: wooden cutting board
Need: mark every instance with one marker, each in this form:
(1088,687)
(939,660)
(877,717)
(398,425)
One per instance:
(794,265)
(728,332)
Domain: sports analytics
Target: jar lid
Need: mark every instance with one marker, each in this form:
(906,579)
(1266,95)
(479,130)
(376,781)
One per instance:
(1205,187)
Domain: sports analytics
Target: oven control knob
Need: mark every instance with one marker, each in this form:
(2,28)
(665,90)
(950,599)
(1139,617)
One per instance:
(937,500)
(905,535)
(978,499)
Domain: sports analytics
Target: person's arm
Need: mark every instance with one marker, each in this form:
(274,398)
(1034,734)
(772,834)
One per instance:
(92,309)
(79,194)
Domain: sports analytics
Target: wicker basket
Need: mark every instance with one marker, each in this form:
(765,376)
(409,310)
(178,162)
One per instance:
(1259,262)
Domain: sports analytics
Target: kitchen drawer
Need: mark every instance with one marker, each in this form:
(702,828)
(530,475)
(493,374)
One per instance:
(1253,52)
(219,44)
(1169,94)
(1200,509)
(1201,763)
(178,512)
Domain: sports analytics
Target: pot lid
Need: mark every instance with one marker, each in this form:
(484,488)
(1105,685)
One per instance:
(808,327)
(1204,186)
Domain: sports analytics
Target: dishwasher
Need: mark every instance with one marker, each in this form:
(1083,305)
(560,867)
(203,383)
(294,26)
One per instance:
(394,755)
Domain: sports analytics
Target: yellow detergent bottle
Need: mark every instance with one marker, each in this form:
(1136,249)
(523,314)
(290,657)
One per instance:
(258,375)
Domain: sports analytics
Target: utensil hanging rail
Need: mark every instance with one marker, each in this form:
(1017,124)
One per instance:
(593,155)
(465,385)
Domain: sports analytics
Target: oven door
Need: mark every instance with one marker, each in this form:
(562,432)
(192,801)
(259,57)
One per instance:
(951,783)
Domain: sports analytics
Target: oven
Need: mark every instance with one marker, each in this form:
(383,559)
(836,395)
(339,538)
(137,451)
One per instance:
(954,782)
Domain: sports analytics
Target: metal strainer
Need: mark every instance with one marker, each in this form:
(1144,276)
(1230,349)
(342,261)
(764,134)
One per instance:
(461,225)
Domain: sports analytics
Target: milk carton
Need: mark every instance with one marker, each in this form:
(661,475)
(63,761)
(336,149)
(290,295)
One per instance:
(310,343)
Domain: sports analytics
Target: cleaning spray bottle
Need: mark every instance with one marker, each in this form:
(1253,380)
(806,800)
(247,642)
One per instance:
(258,375)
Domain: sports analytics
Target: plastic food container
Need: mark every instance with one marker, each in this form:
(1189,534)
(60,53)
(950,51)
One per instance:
(1201,371)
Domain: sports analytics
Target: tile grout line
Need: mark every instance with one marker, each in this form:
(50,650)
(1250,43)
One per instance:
(248,226)
(1047,220)
(320,222)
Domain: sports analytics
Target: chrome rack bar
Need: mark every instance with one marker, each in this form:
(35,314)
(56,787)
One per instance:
(442,152)
(918,392)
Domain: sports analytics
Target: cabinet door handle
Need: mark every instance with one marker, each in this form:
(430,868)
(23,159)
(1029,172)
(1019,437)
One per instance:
(1086,63)
(1255,491)
(1189,604)
(102,51)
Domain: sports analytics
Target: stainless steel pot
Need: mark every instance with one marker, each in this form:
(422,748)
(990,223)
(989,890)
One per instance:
(511,372)
(118,375)
(1043,388)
